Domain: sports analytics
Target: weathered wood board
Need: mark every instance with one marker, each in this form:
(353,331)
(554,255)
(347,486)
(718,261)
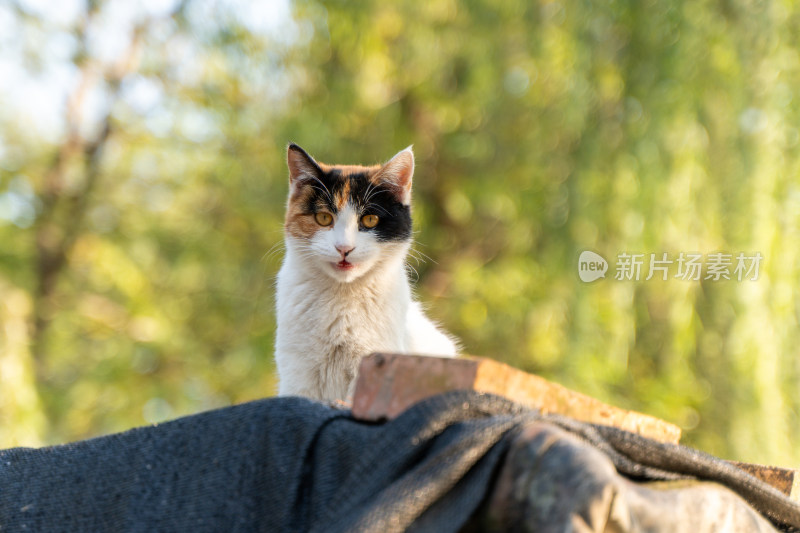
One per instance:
(388,384)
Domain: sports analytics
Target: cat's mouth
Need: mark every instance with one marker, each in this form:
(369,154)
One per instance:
(344,264)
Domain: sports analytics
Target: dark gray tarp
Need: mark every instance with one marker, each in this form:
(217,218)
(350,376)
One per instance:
(458,460)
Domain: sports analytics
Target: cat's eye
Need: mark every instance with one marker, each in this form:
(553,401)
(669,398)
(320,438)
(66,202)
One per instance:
(369,221)
(323,218)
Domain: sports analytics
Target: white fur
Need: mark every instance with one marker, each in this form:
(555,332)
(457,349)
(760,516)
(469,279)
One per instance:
(329,319)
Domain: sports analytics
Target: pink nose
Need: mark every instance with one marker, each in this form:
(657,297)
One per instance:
(345,249)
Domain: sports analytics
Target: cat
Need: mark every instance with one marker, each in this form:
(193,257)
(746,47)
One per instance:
(343,290)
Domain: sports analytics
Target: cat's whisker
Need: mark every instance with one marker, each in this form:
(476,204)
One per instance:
(381,210)
(368,193)
(411,269)
(373,191)
(420,255)
(273,250)
(327,191)
(425,257)
(306,252)
(321,191)
(415,257)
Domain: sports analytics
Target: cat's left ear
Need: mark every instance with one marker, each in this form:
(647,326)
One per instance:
(397,174)
(301,165)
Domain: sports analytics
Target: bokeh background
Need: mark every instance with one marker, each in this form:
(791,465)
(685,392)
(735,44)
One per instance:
(143,182)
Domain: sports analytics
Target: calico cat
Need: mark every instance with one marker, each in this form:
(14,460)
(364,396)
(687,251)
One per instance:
(342,291)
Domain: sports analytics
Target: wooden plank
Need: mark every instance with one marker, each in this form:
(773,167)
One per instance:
(388,384)
(786,480)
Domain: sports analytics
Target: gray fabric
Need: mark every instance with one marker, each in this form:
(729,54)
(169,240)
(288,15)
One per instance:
(284,464)
(553,482)
(639,457)
(289,464)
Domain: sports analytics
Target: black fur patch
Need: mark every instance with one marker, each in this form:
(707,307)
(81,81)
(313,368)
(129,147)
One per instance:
(394,218)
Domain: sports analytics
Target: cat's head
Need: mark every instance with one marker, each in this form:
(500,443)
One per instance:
(346,220)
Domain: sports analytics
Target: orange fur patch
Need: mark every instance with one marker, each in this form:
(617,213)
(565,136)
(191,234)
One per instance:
(299,224)
(348,170)
(342,195)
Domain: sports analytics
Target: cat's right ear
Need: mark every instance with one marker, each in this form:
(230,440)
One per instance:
(301,165)
(397,173)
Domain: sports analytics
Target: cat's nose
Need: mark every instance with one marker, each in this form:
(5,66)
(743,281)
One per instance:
(345,249)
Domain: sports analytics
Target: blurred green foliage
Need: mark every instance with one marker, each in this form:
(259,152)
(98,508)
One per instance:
(141,230)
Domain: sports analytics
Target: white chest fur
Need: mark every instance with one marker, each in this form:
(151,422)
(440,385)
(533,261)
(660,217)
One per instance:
(326,327)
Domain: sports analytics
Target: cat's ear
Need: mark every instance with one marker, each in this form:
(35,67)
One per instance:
(397,174)
(301,165)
